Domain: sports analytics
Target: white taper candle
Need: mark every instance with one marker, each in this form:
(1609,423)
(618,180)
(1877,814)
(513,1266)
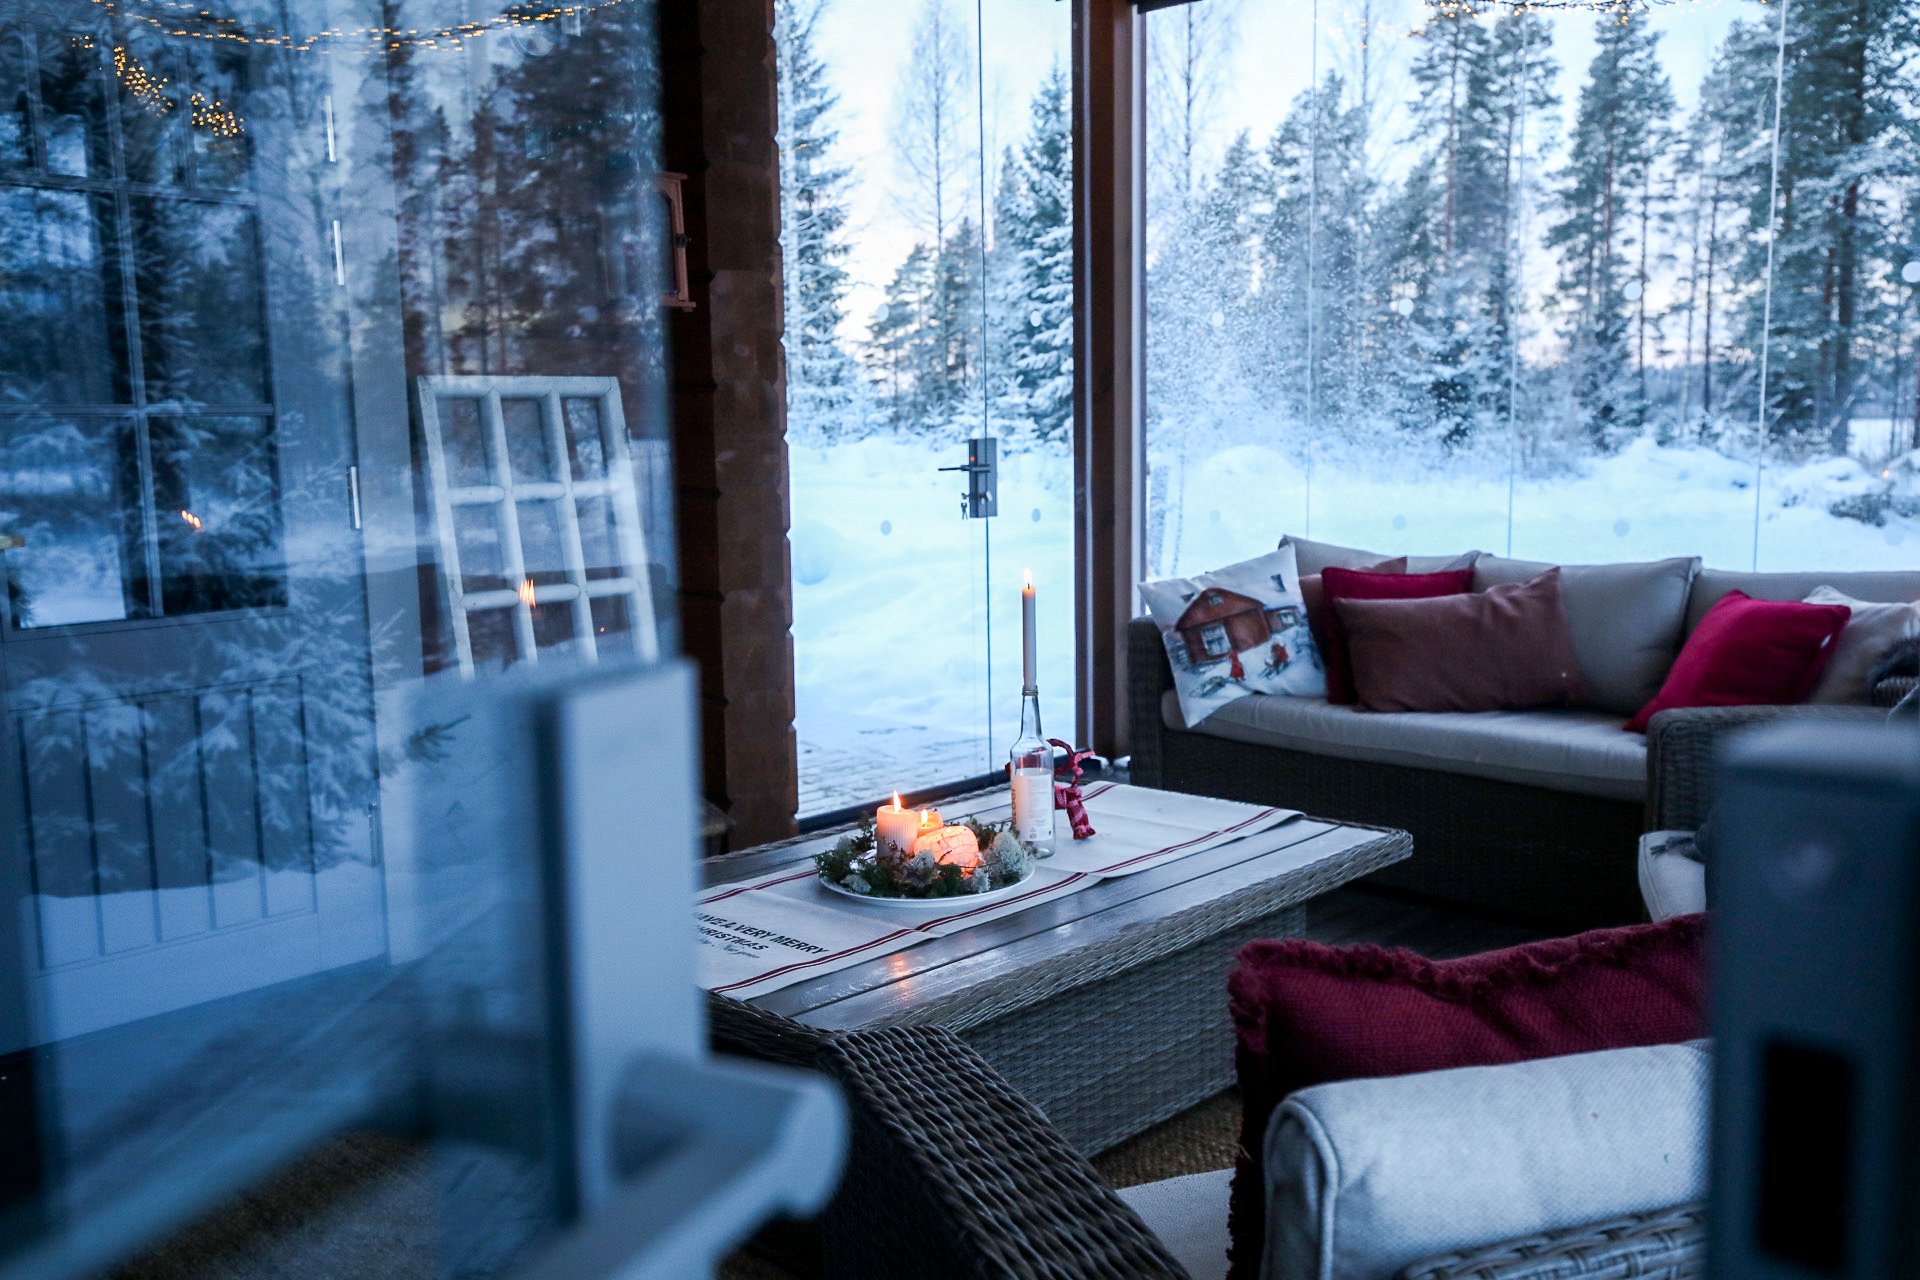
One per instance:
(1026,633)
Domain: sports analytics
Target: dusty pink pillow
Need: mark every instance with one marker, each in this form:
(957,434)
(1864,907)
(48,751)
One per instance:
(1358,584)
(1305,1013)
(1505,648)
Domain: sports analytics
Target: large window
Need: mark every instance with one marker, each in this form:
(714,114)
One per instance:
(926,189)
(1429,277)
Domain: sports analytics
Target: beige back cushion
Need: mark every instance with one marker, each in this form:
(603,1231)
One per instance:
(1312,557)
(1625,619)
(1882,586)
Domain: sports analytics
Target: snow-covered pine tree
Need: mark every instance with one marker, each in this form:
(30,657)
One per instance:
(1618,137)
(1201,334)
(1037,228)
(1483,91)
(936,148)
(1721,142)
(903,342)
(823,381)
(1848,67)
(952,390)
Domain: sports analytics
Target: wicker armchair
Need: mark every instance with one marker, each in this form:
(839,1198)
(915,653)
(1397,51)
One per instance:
(972,1182)
(966,1180)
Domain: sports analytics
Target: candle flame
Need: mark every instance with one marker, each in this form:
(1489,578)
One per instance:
(526,592)
(194,522)
(896,802)
(1029,579)
(923,817)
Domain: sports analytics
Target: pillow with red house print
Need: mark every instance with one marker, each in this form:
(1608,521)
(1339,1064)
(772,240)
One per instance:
(1234,632)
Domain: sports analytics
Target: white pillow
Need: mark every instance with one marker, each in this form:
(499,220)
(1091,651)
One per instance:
(1366,1177)
(1870,635)
(1237,631)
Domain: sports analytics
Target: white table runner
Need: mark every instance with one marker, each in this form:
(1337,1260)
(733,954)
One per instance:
(774,930)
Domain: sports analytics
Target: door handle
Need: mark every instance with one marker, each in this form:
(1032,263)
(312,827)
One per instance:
(982,498)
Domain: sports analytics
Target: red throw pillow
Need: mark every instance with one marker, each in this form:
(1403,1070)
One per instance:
(1307,1014)
(1314,596)
(1505,648)
(1750,653)
(1361,584)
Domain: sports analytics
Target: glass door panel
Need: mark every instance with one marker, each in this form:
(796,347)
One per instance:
(926,207)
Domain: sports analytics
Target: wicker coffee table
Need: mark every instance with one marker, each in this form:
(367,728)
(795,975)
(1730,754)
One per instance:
(1107,1008)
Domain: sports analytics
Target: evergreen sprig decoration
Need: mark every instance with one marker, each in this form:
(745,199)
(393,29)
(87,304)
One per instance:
(860,865)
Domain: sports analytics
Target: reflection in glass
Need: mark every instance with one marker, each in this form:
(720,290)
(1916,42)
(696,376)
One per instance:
(227,921)
(70,491)
(464,440)
(527,451)
(585,451)
(72,108)
(16,104)
(63,341)
(483,564)
(543,542)
(217,505)
(202,323)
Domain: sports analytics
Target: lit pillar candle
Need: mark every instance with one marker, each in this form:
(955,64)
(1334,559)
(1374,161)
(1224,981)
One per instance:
(1026,633)
(893,825)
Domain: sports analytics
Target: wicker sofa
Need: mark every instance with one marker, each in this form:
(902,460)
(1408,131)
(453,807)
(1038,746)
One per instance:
(1488,834)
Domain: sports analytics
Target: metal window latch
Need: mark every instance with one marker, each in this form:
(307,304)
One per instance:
(981,501)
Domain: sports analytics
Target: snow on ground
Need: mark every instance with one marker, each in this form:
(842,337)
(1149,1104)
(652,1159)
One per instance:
(890,583)
(1645,502)
(890,603)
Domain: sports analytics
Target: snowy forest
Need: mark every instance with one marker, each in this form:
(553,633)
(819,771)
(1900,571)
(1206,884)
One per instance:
(1419,277)
(1540,274)
(974,319)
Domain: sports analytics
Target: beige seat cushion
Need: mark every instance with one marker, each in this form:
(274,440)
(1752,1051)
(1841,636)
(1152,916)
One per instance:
(1585,752)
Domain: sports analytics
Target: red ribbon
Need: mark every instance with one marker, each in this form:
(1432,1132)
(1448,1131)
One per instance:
(1067,795)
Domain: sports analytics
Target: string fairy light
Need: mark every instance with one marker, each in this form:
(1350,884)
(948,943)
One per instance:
(1624,10)
(187,20)
(147,89)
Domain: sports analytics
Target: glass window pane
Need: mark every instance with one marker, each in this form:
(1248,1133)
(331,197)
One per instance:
(64,340)
(240,913)
(483,564)
(599,539)
(72,495)
(216,490)
(16,103)
(543,542)
(465,441)
(586,450)
(202,318)
(527,451)
(1505,284)
(926,187)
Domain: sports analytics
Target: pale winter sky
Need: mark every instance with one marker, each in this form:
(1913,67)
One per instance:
(1276,48)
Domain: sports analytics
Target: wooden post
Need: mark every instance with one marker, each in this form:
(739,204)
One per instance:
(1109,169)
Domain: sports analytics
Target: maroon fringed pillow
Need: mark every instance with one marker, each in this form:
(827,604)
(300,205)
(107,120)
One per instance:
(1308,1014)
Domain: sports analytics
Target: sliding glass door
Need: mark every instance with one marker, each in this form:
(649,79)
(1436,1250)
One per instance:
(926,201)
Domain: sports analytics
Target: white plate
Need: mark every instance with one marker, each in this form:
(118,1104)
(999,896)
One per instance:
(927,904)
